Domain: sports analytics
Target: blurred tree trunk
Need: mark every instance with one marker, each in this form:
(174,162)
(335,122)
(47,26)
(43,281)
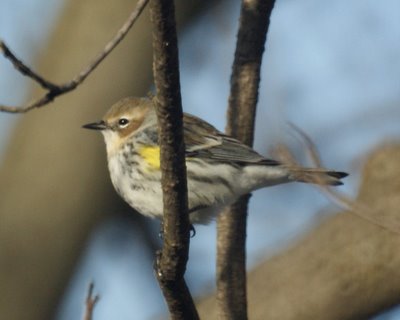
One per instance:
(347,268)
(54,184)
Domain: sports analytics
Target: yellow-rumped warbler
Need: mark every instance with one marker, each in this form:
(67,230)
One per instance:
(219,167)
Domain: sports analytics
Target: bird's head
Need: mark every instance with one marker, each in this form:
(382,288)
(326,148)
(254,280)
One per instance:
(124,118)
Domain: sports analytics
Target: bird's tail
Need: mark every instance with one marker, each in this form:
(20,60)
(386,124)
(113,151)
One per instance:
(316,175)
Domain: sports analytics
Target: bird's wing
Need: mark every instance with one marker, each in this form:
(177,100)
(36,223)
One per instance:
(202,140)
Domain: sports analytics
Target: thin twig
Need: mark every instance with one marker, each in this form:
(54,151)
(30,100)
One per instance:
(54,90)
(171,261)
(353,206)
(25,70)
(245,79)
(90,302)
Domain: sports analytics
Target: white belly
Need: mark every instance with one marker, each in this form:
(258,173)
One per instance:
(209,188)
(144,195)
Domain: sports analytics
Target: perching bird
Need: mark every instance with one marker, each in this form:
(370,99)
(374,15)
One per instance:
(219,168)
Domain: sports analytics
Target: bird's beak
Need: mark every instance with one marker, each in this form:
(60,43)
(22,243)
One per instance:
(101,125)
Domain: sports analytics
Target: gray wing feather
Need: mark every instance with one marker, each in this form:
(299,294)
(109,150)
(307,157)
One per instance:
(204,141)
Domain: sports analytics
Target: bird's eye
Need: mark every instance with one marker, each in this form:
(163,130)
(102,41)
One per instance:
(123,122)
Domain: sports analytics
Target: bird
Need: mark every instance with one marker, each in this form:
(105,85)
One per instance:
(219,168)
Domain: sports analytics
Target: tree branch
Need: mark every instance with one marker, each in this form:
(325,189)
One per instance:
(231,257)
(54,90)
(171,261)
(90,302)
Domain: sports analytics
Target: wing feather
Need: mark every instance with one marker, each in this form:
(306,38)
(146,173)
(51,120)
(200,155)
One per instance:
(205,141)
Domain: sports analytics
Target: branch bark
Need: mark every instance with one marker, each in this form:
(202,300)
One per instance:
(245,79)
(171,261)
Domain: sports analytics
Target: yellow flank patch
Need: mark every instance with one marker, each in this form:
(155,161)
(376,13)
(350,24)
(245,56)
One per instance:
(151,155)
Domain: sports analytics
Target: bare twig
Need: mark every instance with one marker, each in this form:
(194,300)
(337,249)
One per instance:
(25,70)
(231,257)
(90,302)
(171,261)
(353,206)
(54,90)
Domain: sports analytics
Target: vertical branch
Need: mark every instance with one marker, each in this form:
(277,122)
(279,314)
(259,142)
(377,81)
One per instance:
(171,261)
(245,78)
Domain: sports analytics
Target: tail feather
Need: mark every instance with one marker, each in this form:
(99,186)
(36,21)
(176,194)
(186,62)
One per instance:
(317,176)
